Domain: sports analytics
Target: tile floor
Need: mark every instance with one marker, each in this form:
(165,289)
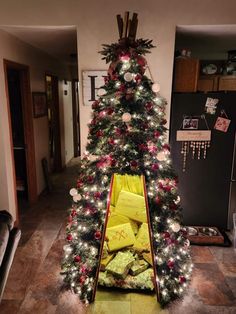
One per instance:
(35,285)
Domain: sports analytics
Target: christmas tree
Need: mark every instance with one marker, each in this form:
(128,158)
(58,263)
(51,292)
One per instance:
(127,135)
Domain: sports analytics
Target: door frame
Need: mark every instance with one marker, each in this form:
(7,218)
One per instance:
(27,111)
(57,160)
(75,115)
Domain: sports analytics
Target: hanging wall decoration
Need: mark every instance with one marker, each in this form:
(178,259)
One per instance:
(222,122)
(211,105)
(193,141)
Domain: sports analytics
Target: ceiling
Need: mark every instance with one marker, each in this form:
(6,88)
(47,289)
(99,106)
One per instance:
(58,41)
(222,36)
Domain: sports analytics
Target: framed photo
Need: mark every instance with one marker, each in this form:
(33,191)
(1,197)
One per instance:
(190,124)
(39,104)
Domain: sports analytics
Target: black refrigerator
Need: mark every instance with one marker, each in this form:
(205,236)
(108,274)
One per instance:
(208,186)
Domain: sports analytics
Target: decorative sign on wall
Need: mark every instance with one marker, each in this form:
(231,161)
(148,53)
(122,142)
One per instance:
(92,81)
(196,140)
(222,122)
(211,105)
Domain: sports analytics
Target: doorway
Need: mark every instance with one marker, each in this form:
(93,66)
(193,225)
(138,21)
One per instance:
(54,123)
(76,124)
(21,125)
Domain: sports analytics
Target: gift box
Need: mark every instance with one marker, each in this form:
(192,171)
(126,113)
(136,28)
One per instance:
(120,264)
(106,261)
(112,209)
(142,242)
(142,281)
(117,219)
(138,267)
(148,258)
(120,236)
(105,250)
(132,206)
(129,183)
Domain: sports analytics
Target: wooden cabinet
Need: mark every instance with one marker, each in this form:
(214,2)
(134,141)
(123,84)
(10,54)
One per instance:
(208,83)
(187,78)
(186,74)
(227,83)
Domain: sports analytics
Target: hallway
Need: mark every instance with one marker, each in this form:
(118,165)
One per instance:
(34,283)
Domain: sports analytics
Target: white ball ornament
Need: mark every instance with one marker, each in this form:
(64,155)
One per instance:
(156,87)
(126,117)
(161,156)
(77,197)
(67,248)
(73,191)
(177,201)
(101,92)
(128,77)
(175,226)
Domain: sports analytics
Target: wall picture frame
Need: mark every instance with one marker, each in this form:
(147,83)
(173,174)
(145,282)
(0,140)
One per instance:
(92,81)
(40,108)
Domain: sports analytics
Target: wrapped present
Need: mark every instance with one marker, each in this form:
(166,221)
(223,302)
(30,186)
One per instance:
(148,258)
(132,206)
(106,261)
(142,281)
(106,279)
(105,250)
(126,182)
(112,209)
(142,242)
(138,267)
(120,236)
(120,265)
(117,219)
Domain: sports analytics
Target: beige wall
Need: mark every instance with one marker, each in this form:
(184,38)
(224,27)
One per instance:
(13,49)
(97,24)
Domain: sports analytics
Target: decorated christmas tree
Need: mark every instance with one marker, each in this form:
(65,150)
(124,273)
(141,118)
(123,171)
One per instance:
(127,137)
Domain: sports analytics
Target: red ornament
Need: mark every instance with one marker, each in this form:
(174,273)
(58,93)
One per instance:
(69,237)
(166,235)
(77,259)
(73,213)
(155,167)
(156,134)
(182,279)
(82,279)
(158,200)
(167,188)
(138,78)
(90,179)
(166,146)
(97,235)
(149,106)
(142,147)
(118,131)
(111,141)
(133,163)
(110,111)
(83,269)
(170,264)
(141,61)
(122,88)
(99,133)
(95,104)
(79,183)
(106,79)
(97,195)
